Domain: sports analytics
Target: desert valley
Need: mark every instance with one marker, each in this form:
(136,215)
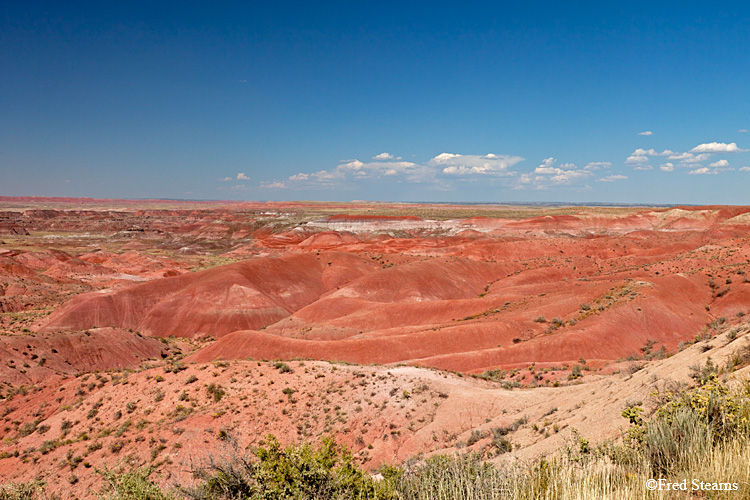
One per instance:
(159,333)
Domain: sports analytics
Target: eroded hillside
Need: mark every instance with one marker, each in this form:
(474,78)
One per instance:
(159,333)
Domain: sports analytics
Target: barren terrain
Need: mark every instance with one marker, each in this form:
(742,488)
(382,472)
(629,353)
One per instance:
(156,332)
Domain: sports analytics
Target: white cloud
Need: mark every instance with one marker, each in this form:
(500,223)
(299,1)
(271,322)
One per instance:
(322,178)
(412,171)
(612,178)
(716,147)
(239,187)
(647,132)
(351,165)
(653,152)
(689,157)
(547,174)
(702,170)
(636,159)
(568,176)
(436,171)
(273,185)
(692,159)
(385,166)
(242,177)
(546,166)
(745,169)
(442,157)
(596,165)
(641,155)
(491,164)
(225,179)
(743,131)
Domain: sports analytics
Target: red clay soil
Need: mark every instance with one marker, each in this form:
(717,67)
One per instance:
(214,302)
(84,385)
(554,289)
(166,416)
(30,359)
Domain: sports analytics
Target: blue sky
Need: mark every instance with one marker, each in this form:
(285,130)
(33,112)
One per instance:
(395,101)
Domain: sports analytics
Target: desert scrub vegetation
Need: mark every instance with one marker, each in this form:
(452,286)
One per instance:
(275,472)
(133,484)
(23,491)
(699,434)
(215,391)
(282,367)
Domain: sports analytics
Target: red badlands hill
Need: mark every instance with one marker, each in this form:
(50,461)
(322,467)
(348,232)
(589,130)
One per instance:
(469,289)
(29,359)
(214,302)
(548,290)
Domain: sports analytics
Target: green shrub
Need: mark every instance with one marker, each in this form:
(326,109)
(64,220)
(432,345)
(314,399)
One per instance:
(131,485)
(295,472)
(22,491)
(216,391)
(116,446)
(450,477)
(575,372)
(475,436)
(282,367)
(691,423)
(494,375)
(669,443)
(28,428)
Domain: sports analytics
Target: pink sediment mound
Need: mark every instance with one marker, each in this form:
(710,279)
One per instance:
(75,267)
(29,359)
(637,313)
(245,295)
(329,239)
(492,293)
(510,302)
(421,281)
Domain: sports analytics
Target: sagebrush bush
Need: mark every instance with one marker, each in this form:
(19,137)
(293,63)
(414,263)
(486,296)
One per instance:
(132,484)
(273,472)
(691,423)
(448,477)
(21,491)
